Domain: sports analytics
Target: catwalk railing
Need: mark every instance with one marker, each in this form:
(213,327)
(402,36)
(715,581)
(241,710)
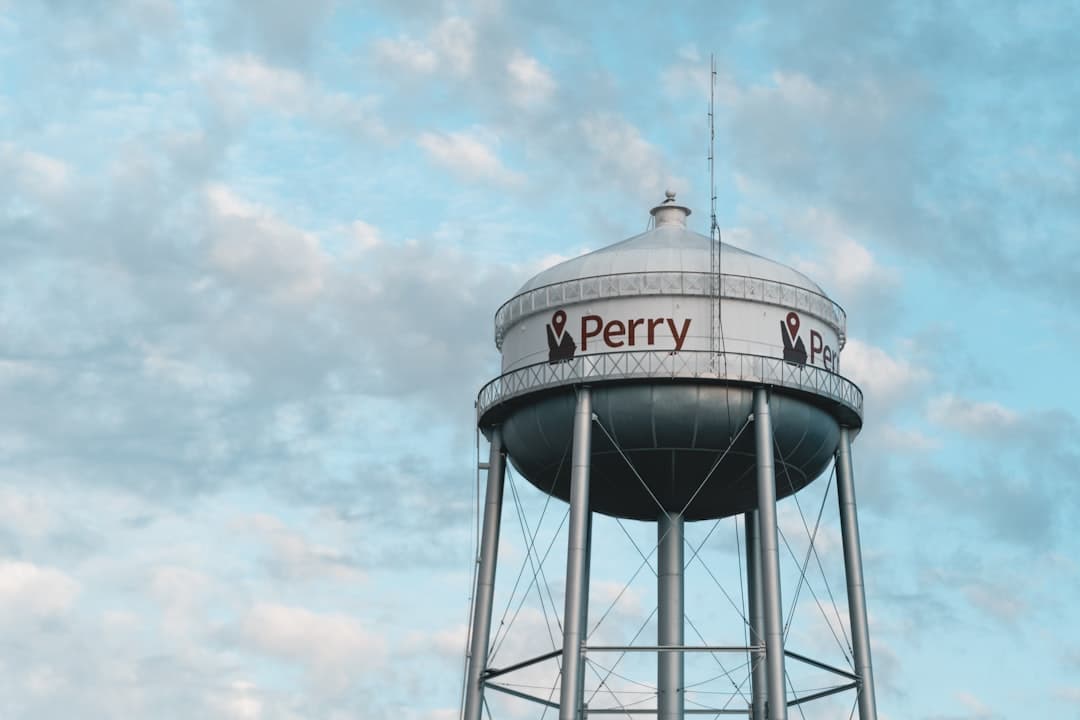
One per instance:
(663,364)
(735,287)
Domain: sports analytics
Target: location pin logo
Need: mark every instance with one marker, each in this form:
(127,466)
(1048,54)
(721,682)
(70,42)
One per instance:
(793,325)
(558,322)
(561,346)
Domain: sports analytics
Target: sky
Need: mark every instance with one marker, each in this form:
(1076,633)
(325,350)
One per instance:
(251,254)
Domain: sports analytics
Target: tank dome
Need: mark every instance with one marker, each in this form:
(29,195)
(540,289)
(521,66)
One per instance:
(669,248)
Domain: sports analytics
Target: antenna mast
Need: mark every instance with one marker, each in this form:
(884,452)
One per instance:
(717,333)
(714,228)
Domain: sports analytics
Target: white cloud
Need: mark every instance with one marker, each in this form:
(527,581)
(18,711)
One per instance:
(295,558)
(29,590)
(689,75)
(364,235)
(244,83)
(44,680)
(174,367)
(603,593)
(28,512)
(840,261)
(239,700)
(441,714)
(534,266)
(450,46)
(619,608)
(798,91)
(622,156)
(407,53)
(40,177)
(286,31)
(996,600)
(181,592)
(970,416)
(885,378)
(252,245)
(470,155)
(179,587)
(455,41)
(330,644)
(976,707)
(906,439)
(533,85)
(279,88)
(448,642)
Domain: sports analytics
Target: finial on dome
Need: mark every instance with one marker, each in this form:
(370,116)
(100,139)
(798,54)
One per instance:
(668,212)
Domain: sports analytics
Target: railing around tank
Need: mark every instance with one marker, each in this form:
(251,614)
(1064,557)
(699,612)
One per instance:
(735,287)
(660,364)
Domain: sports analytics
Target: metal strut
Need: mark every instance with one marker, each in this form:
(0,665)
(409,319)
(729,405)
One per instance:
(577,562)
(770,558)
(849,530)
(669,622)
(758,685)
(485,580)
(504,627)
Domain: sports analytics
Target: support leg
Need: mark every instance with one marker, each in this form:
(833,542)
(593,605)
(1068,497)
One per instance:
(577,562)
(669,675)
(485,580)
(758,685)
(585,599)
(849,529)
(770,558)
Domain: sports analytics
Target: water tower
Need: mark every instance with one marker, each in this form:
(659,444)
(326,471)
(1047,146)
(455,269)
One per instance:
(679,371)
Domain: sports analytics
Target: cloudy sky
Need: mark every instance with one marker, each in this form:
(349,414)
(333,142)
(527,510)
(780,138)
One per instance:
(251,252)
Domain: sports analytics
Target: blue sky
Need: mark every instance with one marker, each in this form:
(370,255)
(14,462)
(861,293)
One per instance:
(251,256)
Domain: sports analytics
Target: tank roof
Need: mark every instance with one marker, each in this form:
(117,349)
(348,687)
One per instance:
(669,247)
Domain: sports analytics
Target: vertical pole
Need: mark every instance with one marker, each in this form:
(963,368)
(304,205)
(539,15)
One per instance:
(577,562)
(758,685)
(485,579)
(849,530)
(585,599)
(669,617)
(770,558)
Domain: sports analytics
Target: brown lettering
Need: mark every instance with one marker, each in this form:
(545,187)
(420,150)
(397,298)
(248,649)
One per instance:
(816,344)
(615,328)
(653,323)
(680,338)
(586,333)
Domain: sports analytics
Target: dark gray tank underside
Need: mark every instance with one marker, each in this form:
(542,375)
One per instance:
(672,433)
